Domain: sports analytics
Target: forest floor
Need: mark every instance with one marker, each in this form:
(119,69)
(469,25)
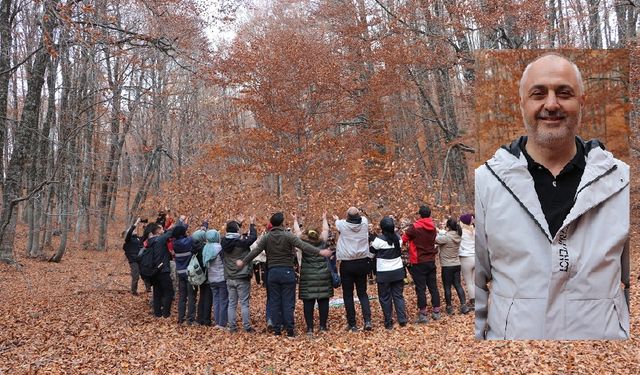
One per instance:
(78,317)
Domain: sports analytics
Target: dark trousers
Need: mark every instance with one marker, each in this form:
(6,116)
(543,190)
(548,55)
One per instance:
(282,288)
(323,308)
(390,295)
(186,299)
(451,276)
(268,302)
(354,273)
(424,276)
(204,304)
(135,276)
(162,294)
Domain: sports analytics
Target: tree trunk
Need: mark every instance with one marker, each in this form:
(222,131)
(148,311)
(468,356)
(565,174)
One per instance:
(37,219)
(6,40)
(22,138)
(595,34)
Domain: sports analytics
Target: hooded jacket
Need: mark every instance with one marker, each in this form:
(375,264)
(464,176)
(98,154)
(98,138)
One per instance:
(543,287)
(467,244)
(449,244)
(421,236)
(389,267)
(353,241)
(212,257)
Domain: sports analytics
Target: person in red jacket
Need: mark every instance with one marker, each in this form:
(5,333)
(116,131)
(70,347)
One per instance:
(421,237)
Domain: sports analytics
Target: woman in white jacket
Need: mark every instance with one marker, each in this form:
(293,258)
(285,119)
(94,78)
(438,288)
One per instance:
(467,255)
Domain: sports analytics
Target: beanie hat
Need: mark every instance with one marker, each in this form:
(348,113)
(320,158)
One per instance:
(466,218)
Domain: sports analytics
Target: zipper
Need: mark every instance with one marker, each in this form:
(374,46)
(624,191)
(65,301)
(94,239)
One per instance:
(506,320)
(615,166)
(519,202)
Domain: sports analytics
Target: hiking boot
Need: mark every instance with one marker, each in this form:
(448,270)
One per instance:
(232,329)
(472,303)
(422,319)
(323,329)
(388,326)
(403,324)
(449,310)
(435,315)
(291,334)
(309,331)
(352,329)
(249,330)
(464,309)
(269,326)
(368,326)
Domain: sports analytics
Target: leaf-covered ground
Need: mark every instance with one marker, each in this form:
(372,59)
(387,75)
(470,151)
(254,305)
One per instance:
(77,317)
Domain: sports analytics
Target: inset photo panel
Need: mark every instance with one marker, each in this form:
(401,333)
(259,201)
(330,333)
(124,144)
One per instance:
(552,195)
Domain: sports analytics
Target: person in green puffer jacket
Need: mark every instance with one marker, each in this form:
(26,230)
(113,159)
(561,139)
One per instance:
(315,276)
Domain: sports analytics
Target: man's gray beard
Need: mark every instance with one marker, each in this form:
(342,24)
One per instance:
(555,137)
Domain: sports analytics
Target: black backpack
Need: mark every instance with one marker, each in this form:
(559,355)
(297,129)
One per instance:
(148,268)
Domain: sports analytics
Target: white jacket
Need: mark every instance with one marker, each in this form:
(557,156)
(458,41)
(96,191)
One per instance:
(353,241)
(468,243)
(565,287)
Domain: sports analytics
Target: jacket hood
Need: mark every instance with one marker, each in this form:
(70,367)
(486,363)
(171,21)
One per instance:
(198,235)
(514,147)
(454,236)
(232,236)
(425,223)
(357,227)
(509,166)
(212,236)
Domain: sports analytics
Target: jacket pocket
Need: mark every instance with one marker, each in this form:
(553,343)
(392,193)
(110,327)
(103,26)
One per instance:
(513,318)
(497,317)
(597,319)
(622,312)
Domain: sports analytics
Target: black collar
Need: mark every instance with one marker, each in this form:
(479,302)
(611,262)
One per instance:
(578,160)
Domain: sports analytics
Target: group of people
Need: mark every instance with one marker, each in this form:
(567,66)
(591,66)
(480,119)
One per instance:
(306,258)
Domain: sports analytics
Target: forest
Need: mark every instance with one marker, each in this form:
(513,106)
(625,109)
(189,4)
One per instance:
(112,110)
